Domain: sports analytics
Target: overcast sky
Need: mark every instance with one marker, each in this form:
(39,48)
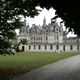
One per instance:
(48,14)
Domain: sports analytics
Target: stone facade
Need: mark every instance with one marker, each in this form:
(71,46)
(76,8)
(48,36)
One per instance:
(49,37)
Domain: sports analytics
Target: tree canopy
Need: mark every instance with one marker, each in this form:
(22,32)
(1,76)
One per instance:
(68,11)
(10,10)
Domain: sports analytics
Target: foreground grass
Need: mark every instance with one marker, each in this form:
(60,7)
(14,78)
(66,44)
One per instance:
(19,63)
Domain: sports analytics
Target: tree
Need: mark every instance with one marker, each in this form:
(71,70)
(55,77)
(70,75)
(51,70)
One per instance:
(22,41)
(10,20)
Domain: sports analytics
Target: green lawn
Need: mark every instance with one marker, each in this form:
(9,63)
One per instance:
(23,62)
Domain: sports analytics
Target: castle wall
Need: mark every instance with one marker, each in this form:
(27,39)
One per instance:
(55,47)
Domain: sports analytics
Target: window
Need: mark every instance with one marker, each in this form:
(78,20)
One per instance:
(29,47)
(57,37)
(46,30)
(77,47)
(63,47)
(41,38)
(39,47)
(57,41)
(51,47)
(22,48)
(59,29)
(34,38)
(46,38)
(34,47)
(45,47)
(71,47)
(57,47)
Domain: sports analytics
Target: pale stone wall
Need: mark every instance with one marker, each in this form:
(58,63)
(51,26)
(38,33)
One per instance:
(48,47)
(74,47)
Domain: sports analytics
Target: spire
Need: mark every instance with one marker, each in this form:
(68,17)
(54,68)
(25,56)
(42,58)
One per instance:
(44,22)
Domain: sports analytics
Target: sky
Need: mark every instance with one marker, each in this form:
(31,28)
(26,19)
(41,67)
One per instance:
(48,14)
(39,19)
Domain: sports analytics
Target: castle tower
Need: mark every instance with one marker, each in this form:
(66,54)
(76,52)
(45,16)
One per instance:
(24,26)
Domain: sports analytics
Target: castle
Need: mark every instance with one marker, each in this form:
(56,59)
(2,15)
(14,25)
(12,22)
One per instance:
(49,37)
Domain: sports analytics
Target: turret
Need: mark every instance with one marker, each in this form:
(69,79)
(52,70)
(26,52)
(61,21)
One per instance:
(61,26)
(23,29)
(44,21)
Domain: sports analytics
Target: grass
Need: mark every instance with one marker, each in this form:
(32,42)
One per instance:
(19,63)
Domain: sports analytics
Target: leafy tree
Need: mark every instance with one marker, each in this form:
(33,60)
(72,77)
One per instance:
(10,20)
(22,41)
